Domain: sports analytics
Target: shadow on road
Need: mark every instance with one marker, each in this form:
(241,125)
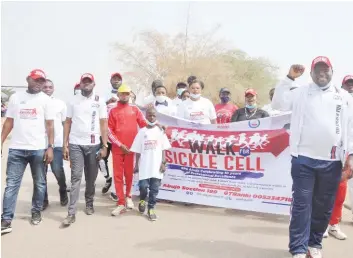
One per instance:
(212,249)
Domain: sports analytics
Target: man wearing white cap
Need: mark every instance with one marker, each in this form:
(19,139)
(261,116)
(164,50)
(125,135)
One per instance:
(321,138)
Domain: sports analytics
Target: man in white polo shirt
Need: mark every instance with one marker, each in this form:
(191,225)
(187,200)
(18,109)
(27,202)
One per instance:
(57,165)
(86,121)
(29,117)
(321,138)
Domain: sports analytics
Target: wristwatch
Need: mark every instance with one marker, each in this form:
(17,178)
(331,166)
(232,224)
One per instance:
(51,146)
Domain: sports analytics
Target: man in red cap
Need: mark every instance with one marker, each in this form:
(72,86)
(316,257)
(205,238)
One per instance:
(251,110)
(115,80)
(123,124)
(334,228)
(321,139)
(86,121)
(30,117)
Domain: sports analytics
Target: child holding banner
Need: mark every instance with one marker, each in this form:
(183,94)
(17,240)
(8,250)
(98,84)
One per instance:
(150,145)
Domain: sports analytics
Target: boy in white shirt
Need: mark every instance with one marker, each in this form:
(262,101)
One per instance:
(149,145)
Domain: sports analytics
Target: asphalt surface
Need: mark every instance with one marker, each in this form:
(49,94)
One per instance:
(181,231)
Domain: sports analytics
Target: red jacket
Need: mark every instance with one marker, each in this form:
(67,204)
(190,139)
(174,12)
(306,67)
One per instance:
(123,124)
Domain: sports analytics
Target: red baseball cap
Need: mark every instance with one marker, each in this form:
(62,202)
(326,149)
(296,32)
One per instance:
(36,74)
(87,75)
(347,78)
(251,92)
(116,74)
(321,59)
(77,86)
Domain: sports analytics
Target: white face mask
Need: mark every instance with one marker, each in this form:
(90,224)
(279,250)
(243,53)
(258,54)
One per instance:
(161,99)
(195,96)
(77,92)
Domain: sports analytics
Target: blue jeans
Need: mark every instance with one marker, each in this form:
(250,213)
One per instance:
(57,167)
(315,183)
(153,184)
(16,164)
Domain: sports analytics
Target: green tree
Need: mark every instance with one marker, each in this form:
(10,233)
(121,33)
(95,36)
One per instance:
(154,55)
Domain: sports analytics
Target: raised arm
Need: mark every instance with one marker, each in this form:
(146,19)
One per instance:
(283,96)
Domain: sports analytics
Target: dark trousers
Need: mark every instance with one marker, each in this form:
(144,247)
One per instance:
(17,162)
(153,185)
(57,167)
(83,158)
(315,183)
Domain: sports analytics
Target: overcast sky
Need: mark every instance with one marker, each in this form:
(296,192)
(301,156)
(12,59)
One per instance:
(66,39)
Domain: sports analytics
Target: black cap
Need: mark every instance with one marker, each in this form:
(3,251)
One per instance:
(224,90)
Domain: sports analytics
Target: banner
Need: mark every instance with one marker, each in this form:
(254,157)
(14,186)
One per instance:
(244,165)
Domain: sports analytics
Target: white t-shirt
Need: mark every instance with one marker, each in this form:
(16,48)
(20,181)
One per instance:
(60,110)
(272,112)
(29,112)
(86,114)
(201,111)
(176,102)
(150,143)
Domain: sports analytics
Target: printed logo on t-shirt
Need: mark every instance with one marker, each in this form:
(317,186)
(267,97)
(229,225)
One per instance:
(150,144)
(197,115)
(95,105)
(28,113)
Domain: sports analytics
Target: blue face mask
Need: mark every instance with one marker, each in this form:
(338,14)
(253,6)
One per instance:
(250,106)
(180,91)
(225,99)
(152,124)
(195,96)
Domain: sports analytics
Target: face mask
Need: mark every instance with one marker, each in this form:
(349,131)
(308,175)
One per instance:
(161,99)
(152,124)
(195,96)
(225,99)
(250,106)
(180,91)
(77,92)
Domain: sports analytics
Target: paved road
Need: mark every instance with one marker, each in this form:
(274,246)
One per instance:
(188,232)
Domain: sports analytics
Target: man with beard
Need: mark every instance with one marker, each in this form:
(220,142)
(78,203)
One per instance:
(29,116)
(321,138)
(86,121)
(57,165)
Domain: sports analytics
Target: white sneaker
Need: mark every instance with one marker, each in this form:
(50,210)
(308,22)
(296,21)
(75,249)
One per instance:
(299,256)
(326,232)
(119,210)
(129,203)
(336,232)
(314,252)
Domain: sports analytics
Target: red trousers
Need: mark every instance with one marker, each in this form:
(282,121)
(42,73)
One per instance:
(123,166)
(338,206)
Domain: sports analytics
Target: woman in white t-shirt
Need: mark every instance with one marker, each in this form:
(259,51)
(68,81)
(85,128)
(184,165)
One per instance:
(197,109)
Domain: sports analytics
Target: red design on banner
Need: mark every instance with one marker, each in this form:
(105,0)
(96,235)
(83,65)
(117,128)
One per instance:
(229,143)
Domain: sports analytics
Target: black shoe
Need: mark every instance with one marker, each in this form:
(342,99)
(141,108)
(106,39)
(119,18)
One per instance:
(89,209)
(69,220)
(113,197)
(142,206)
(36,218)
(6,227)
(45,205)
(152,215)
(107,185)
(63,198)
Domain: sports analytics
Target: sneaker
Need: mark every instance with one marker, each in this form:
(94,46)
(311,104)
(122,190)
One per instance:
(119,210)
(36,218)
(129,203)
(326,232)
(45,205)
(299,256)
(68,188)
(113,197)
(89,209)
(69,220)
(314,252)
(152,215)
(336,232)
(142,206)
(64,199)
(5,227)
(108,184)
